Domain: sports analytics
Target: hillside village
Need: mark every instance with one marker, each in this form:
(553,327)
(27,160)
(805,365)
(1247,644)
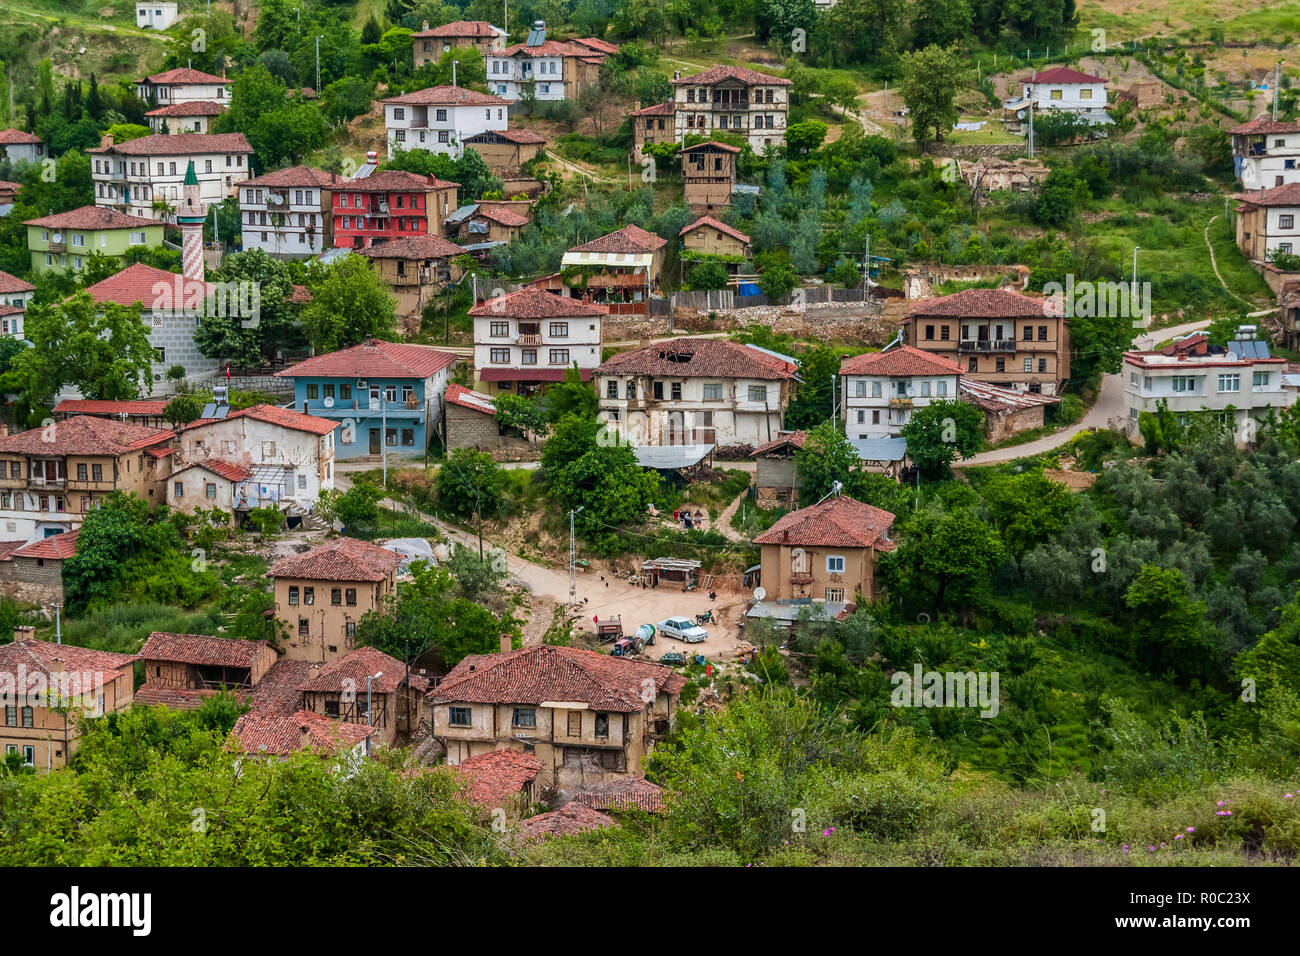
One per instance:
(585,425)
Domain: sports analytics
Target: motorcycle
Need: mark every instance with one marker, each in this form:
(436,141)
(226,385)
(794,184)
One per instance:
(705,618)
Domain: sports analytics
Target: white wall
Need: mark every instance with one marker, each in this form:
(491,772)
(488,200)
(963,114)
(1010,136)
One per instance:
(218,175)
(1073,96)
(242,442)
(439,129)
(582,341)
(870,415)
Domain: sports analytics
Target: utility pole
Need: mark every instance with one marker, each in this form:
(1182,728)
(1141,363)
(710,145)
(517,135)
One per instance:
(866,267)
(370,716)
(318,39)
(58,623)
(1033,78)
(834,404)
(1133,291)
(1277,86)
(453,73)
(573,554)
(383,433)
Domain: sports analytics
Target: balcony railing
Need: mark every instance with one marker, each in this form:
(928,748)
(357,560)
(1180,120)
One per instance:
(901,401)
(690,436)
(530,339)
(42,482)
(987,345)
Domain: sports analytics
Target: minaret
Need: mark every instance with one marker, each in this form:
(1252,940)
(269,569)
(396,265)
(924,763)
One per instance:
(190,216)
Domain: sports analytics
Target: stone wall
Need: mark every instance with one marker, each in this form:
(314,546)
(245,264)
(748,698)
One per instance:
(974,151)
(1001,427)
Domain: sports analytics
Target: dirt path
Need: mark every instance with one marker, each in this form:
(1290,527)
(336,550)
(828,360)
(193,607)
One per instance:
(1214,263)
(576,169)
(723,523)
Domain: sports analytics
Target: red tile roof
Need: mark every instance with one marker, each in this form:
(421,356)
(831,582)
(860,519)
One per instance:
(278,735)
(837,523)
(468,398)
(512,135)
(1263,123)
(598,45)
(982,303)
(277,693)
(445,96)
(179,144)
(374,359)
(57,547)
(569,819)
(502,216)
(549,48)
(286,418)
(39,657)
(350,671)
(537,304)
(658,109)
(1287,195)
(621,794)
(201,649)
(155,289)
(698,358)
(460,30)
(498,776)
(796,439)
(1062,74)
(223,469)
(10,283)
(184,76)
(412,247)
(91,217)
(720,73)
(545,673)
(900,360)
(393,181)
(711,145)
(715,224)
(7,548)
(88,406)
(195,108)
(343,559)
(293,176)
(18,137)
(631,238)
(85,435)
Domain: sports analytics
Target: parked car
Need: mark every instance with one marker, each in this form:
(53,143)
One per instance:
(682,629)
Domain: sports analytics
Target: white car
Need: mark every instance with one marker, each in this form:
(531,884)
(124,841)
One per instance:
(683,629)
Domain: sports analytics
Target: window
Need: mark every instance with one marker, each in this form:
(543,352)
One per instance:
(611,389)
(860,388)
(293,594)
(524,717)
(1259,379)
(443,137)
(29,756)
(658,389)
(210,490)
(178,489)
(268,449)
(835,564)
(78,239)
(500,356)
(313,392)
(529,357)
(862,416)
(1230,383)
(758,393)
(15,469)
(1085,94)
(1000,365)
(1284,222)
(1029,333)
(559,330)
(575,723)
(336,596)
(1029,365)
(308,595)
(559,356)
(499,330)
(1183,383)
(941,389)
(925,389)
(399,113)
(458,716)
(835,595)
(1042,333)
(350,631)
(944,331)
(1042,366)
(602,725)
(11,716)
(390,436)
(408,436)
(713,391)
(1055,94)
(81,469)
(350,596)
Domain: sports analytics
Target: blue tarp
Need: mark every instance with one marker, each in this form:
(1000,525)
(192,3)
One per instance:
(748,288)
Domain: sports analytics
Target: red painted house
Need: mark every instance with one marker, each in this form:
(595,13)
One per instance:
(390,204)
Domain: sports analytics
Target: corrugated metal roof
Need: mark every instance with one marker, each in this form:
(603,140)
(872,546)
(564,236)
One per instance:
(670,457)
(880,449)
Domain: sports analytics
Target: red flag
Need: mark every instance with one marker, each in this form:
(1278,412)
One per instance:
(595,619)
(708,670)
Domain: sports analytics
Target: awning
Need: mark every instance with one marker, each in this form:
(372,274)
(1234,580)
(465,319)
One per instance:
(530,375)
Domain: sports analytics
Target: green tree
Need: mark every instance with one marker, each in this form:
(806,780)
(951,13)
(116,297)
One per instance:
(940,22)
(942,432)
(101,349)
(1027,509)
(358,507)
(183,409)
(931,79)
(943,558)
(521,413)
(470,482)
(1168,623)
(348,305)
(247,341)
(777,280)
(818,368)
(572,396)
(825,458)
(804,138)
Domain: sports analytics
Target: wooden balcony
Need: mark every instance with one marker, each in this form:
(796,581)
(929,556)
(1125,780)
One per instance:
(987,345)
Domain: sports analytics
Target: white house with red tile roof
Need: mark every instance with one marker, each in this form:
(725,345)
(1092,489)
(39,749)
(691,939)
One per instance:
(1192,376)
(553,69)
(15,293)
(288,213)
(1266,152)
(1062,89)
(441,118)
(173,307)
(19,146)
(1268,221)
(732,98)
(131,176)
(881,389)
(264,456)
(189,117)
(696,391)
(386,395)
(528,339)
(183,85)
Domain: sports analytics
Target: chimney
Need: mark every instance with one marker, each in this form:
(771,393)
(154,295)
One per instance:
(424,28)
(677,74)
(105,141)
(505,643)
(23,632)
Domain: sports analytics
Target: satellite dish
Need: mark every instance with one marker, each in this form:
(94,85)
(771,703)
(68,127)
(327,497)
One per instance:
(759,594)
(328,401)
(276,199)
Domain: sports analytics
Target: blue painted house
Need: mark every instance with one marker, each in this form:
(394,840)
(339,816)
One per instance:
(385,395)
